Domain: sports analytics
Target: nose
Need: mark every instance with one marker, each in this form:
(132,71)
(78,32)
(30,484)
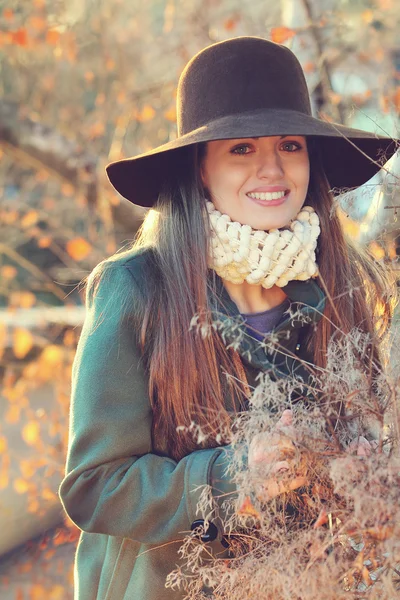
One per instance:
(270,166)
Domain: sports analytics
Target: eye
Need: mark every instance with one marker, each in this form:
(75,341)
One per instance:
(296,145)
(233,151)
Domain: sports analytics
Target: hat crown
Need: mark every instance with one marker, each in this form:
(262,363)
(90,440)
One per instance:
(239,75)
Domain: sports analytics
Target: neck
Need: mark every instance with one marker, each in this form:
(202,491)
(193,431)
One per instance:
(254,298)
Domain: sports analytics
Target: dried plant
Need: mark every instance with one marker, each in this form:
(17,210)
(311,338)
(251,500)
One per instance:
(327,526)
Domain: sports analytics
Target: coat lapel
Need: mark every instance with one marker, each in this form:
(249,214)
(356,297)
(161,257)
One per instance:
(307,305)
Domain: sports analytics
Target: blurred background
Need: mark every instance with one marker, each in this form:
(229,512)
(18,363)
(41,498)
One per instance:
(85,82)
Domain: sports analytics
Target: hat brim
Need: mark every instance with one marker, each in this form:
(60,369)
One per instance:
(350,156)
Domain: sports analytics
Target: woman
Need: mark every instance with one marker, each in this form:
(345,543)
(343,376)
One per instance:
(247,148)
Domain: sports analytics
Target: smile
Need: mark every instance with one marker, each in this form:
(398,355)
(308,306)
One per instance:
(269,198)
(266,195)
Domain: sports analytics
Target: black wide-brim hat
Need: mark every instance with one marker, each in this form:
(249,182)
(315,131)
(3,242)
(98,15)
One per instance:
(249,87)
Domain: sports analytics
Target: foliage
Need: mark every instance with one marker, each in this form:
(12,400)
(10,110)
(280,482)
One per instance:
(337,535)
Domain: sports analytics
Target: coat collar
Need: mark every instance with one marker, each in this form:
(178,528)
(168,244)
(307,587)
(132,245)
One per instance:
(307,305)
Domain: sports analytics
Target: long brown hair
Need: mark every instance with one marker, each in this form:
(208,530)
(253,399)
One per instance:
(186,381)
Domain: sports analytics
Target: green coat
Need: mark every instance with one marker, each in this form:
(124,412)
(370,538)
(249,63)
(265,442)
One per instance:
(133,505)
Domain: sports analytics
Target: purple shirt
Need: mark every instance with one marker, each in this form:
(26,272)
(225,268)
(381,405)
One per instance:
(260,323)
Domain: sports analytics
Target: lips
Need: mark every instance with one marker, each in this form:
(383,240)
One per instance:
(269,189)
(272,202)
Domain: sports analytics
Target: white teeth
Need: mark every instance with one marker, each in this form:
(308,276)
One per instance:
(266,195)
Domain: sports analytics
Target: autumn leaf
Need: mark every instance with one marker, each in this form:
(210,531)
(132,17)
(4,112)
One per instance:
(8,14)
(146,114)
(230,24)
(22,342)
(30,433)
(24,299)
(309,67)
(96,130)
(27,469)
(20,486)
(30,218)
(281,34)
(367,16)
(44,242)
(170,114)
(8,272)
(4,480)
(48,494)
(3,444)
(52,354)
(110,64)
(33,507)
(19,37)
(13,414)
(247,509)
(89,76)
(52,37)
(37,23)
(78,248)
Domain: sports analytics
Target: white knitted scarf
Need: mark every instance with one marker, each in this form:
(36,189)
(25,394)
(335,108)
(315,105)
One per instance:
(240,253)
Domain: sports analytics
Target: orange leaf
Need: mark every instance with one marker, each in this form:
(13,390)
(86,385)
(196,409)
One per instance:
(27,469)
(20,37)
(367,16)
(171,114)
(52,354)
(309,67)
(30,433)
(48,494)
(281,34)
(67,189)
(44,242)
(96,130)
(230,24)
(8,272)
(20,486)
(146,114)
(321,520)
(78,248)
(8,14)
(53,37)
(110,64)
(22,342)
(3,444)
(33,508)
(38,23)
(30,218)
(247,509)
(23,299)
(13,414)
(4,478)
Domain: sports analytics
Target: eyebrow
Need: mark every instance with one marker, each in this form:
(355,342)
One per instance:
(257,138)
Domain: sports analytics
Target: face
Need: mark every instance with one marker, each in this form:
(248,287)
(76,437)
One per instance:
(261,182)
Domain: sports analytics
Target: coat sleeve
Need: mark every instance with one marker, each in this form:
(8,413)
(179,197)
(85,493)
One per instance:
(114,484)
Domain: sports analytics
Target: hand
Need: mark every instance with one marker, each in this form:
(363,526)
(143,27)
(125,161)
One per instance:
(277,451)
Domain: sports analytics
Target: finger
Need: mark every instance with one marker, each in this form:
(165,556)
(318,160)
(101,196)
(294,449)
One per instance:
(275,488)
(364,448)
(360,446)
(286,419)
(280,466)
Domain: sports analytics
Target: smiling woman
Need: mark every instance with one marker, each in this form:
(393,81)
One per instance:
(153,365)
(239,180)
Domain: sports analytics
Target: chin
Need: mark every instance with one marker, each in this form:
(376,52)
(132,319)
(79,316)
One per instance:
(269,225)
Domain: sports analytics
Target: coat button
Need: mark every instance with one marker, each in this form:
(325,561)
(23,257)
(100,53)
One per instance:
(210,535)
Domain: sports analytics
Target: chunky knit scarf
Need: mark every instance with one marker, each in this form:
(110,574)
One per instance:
(240,253)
